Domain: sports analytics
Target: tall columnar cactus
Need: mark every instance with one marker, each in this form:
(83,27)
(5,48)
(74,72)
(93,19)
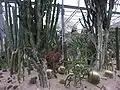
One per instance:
(30,32)
(32,36)
(11,29)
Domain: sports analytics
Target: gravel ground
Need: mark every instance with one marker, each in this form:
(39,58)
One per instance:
(110,84)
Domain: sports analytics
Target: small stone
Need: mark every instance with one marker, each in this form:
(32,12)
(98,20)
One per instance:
(104,78)
(31,68)
(4,70)
(85,86)
(108,73)
(115,71)
(1,73)
(33,80)
(118,75)
(13,77)
(1,76)
(8,78)
(15,87)
(13,82)
(9,81)
(10,86)
(100,86)
(62,81)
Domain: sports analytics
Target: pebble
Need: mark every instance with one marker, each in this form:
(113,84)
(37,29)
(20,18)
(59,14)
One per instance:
(104,78)
(8,78)
(118,75)
(4,70)
(10,86)
(1,73)
(9,81)
(33,80)
(1,76)
(15,87)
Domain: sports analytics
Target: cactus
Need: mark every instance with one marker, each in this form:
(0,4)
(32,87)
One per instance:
(32,36)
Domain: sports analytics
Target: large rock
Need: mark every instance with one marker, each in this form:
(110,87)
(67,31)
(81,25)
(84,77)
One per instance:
(94,77)
(108,73)
(61,70)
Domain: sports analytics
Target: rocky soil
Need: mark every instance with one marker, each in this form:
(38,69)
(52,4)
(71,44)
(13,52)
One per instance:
(11,83)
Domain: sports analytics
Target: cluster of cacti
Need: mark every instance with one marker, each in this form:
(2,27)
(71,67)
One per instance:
(81,55)
(30,30)
(78,70)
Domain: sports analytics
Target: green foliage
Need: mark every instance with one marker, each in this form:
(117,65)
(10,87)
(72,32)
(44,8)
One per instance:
(40,23)
(80,47)
(81,54)
(78,70)
(112,40)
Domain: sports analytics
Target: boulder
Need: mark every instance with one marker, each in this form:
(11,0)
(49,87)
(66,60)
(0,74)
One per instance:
(108,73)
(94,77)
